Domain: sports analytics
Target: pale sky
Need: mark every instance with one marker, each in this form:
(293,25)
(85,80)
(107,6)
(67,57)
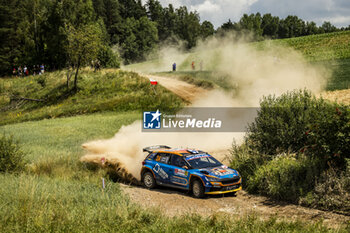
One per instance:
(219,11)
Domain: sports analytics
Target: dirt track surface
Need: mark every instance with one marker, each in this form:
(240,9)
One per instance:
(183,89)
(340,96)
(172,202)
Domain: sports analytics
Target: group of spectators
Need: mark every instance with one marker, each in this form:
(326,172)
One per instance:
(24,71)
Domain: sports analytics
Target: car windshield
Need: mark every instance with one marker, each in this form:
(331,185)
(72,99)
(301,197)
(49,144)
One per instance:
(202,161)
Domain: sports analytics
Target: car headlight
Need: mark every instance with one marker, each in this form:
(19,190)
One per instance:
(212,178)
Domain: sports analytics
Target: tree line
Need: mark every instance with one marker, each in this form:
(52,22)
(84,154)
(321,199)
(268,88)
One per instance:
(273,27)
(58,33)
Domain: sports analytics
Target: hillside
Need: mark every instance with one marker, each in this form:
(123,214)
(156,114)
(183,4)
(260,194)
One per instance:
(328,46)
(330,51)
(46,96)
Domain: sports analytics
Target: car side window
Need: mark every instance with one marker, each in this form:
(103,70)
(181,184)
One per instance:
(163,158)
(177,161)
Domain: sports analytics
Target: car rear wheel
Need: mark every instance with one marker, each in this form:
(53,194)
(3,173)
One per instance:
(148,180)
(197,189)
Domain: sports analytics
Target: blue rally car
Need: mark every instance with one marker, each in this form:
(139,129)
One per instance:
(191,170)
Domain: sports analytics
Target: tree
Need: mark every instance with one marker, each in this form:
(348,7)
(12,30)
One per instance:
(83,46)
(207,29)
(131,9)
(269,25)
(187,26)
(155,13)
(328,27)
(291,26)
(9,49)
(311,28)
(139,38)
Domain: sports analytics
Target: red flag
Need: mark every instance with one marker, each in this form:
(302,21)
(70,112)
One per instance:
(153,82)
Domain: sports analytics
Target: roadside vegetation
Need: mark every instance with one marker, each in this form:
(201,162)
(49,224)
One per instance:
(202,79)
(47,96)
(297,150)
(55,192)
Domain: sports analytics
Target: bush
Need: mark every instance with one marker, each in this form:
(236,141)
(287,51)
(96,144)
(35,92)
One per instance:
(286,177)
(298,122)
(11,157)
(293,148)
(332,191)
(108,58)
(198,82)
(246,161)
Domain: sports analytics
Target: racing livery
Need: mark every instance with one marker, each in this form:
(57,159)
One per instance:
(191,170)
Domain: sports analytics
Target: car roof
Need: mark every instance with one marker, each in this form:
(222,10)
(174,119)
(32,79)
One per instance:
(181,152)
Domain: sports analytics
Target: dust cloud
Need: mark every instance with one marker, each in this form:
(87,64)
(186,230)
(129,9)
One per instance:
(125,148)
(251,70)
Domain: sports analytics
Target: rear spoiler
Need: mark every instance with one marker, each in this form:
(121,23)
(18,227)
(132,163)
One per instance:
(152,148)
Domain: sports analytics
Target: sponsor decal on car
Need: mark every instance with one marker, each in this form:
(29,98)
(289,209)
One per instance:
(178,180)
(219,171)
(157,169)
(181,172)
(190,157)
(228,188)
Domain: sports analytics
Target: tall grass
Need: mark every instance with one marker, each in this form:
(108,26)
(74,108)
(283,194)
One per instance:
(112,90)
(62,137)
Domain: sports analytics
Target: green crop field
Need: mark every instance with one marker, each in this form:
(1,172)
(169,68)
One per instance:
(332,50)
(328,46)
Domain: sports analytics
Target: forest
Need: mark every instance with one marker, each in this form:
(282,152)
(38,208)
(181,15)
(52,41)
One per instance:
(73,33)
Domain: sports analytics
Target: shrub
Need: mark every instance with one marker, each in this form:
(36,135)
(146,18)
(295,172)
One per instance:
(332,191)
(246,161)
(298,122)
(295,139)
(11,157)
(108,58)
(198,82)
(286,177)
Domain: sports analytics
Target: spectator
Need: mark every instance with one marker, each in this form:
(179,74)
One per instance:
(14,71)
(193,66)
(25,70)
(174,66)
(42,69)
(20,71)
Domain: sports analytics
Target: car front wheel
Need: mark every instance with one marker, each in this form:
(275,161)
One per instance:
(197,189)
(148,180)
